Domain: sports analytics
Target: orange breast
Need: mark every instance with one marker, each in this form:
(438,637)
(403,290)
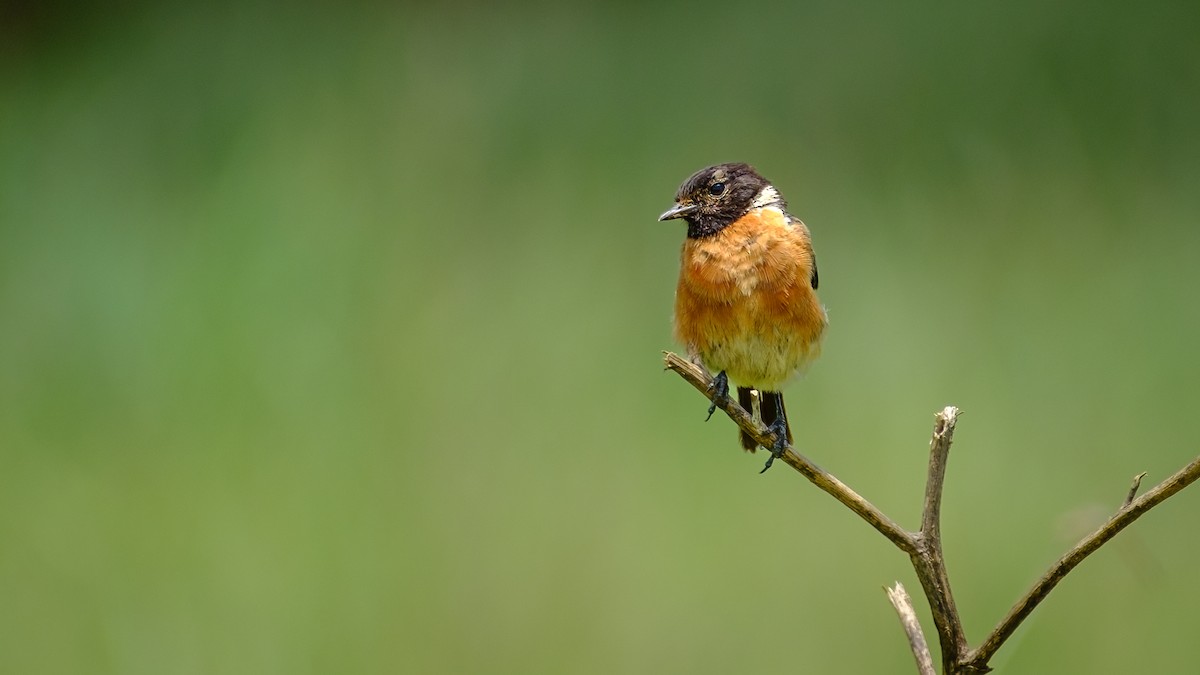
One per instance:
(745,303)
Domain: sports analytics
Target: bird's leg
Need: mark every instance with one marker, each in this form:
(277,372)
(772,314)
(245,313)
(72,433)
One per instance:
(779,427)
(720,391)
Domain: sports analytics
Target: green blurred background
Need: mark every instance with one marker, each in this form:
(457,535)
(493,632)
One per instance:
(330,335)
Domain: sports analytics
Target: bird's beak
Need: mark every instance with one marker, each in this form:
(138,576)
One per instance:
(679,211)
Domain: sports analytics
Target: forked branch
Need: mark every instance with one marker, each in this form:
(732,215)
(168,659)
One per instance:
(924,547)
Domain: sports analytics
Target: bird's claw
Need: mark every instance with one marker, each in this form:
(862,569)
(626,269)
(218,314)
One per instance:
(780,446)
(720,391)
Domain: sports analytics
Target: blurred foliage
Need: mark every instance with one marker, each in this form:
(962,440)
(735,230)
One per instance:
(329,335)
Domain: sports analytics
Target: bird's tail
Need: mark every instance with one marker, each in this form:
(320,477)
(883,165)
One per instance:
(746,400)
(772,409)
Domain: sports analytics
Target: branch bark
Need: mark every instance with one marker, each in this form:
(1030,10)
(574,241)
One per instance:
(924,547)
(929,562)
(912,628)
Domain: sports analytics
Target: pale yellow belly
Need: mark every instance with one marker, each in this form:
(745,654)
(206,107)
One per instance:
(764,361)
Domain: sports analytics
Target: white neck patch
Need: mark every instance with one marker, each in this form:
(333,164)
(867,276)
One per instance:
(768,196)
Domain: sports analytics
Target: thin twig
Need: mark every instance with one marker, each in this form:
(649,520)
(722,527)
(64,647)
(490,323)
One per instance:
(930,562)
(1137,483)
(912,628)
(1180,479)
(818,476)
(939,455)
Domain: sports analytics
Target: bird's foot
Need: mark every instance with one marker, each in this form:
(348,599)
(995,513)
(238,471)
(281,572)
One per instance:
(720,391)
(780,446)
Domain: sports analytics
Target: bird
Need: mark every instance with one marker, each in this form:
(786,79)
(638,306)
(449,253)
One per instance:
(746,304)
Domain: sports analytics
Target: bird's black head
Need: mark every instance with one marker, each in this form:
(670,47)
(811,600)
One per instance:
(715,197)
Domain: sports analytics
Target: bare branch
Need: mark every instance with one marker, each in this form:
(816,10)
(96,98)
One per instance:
(930,562)
(912,628)
(924,547)
(1129,513)
(1137,483)
(818,476)
(939,455)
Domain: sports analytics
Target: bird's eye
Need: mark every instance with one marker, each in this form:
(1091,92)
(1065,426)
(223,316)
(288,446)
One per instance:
(716,189)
